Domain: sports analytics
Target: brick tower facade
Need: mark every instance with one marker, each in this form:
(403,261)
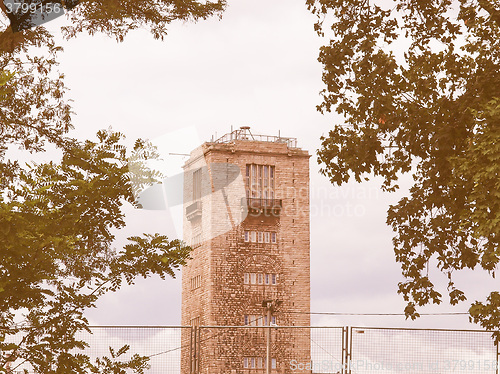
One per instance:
(246,201)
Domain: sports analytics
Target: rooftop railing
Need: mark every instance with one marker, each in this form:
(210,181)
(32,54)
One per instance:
(244,134)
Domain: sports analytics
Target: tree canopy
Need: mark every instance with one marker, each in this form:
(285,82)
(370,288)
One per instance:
(57,256)
(418,85)
(58,219)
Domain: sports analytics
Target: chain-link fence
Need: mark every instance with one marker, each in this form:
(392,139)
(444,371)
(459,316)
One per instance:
(421,351)
(245,349)
(293,349)
(161,344)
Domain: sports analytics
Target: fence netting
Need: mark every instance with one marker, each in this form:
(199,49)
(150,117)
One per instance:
(415,351)
(292,349)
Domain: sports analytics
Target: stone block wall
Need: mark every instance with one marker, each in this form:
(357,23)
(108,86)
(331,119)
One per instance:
(222,298)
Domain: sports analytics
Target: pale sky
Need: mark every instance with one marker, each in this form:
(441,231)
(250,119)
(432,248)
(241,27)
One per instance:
(257,66)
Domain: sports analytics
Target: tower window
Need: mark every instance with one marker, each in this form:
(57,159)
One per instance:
(273,320)
(259,237)
(250,320)
(252,363)
(257,320)
(260,181)
(260,363)
(196,282)
(196,240)
(253,236)
(255,363)
(259,278)
(197,185)
(267,237)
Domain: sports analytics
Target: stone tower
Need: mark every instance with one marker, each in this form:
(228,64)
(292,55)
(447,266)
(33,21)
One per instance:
(246,202)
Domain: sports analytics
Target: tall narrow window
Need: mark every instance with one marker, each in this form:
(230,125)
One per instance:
(253,186)
(248,177)
(260,235)
(195,282)
(271,182)
(258,321)
(260,181)
(273,237)
(197,185)
(273,320)
(253,236)
(260,185)
(260,363)
(267,237)
(253,320)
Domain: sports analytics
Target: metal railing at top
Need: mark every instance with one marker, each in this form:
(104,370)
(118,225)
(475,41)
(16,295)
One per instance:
(244,134)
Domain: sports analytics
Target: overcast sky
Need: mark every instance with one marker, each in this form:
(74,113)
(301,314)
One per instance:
(257,66)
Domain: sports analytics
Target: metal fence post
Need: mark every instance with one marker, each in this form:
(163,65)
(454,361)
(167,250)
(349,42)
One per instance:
(345,349)
(349,352)
(193,357)
(342,355)
(191,350)
(268,342)
(198,350)
(496,370)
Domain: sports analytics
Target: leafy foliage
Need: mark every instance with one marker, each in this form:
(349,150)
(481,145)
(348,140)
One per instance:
(58,219)
(57,257)
(418,84)
(33,107)
(117,17)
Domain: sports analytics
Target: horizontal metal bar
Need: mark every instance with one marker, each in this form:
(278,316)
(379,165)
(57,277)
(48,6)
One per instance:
(273,327)
(138,327)
(416,329)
